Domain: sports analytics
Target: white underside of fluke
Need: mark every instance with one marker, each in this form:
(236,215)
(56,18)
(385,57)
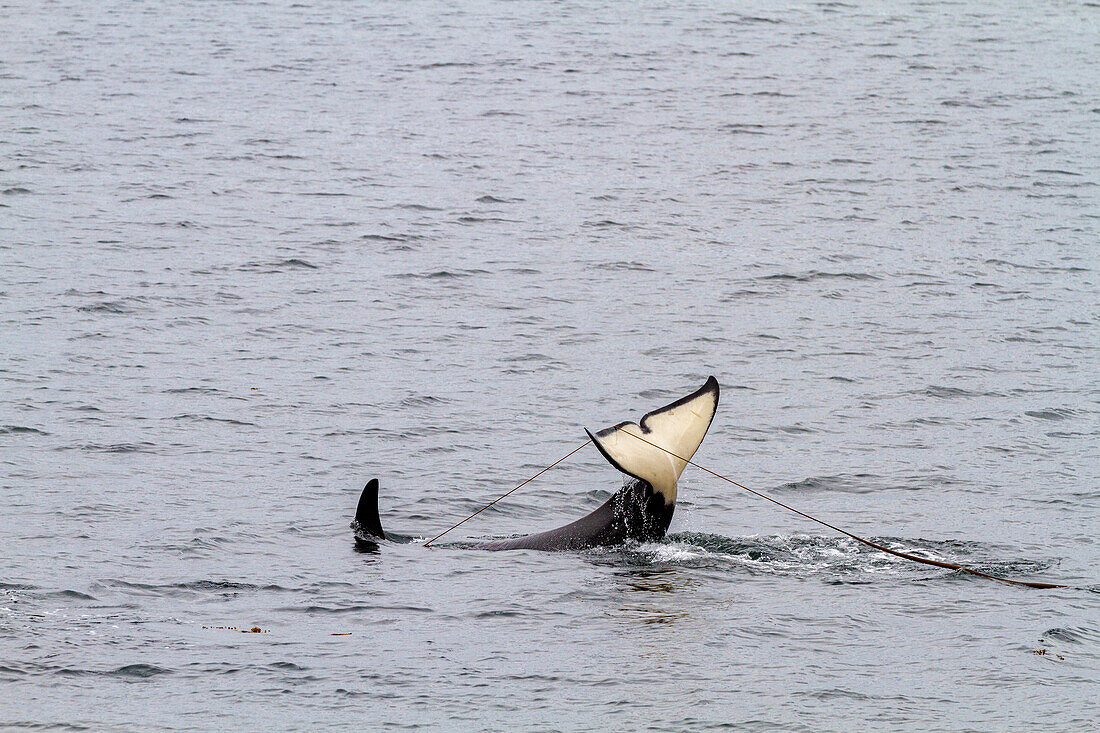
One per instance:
(678,428)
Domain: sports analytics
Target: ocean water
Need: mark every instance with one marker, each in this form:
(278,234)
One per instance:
(253,254)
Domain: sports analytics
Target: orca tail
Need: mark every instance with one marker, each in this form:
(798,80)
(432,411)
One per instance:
(655,449)
(366,514)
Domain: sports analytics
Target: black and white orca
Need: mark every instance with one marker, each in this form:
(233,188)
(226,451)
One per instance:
(641,511)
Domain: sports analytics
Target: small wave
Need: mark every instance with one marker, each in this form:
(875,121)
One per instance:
(385,238)
(1053,413)
(193,587)
(944,393)
(208,418)
(854,483)
(448,65)
(418,207)
(15,429)
(468,219)
(487,199)
(68,595)
(108,306)
(744,129)
(140,671)
(352,609)
(439,274)
(631,266)
(1071,635)
(421,400)
(605,223)
(497,614)
(129,671)
(813,275)
(140,447)
(294,263)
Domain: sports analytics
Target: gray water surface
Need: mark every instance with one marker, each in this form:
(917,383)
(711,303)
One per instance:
(253,254)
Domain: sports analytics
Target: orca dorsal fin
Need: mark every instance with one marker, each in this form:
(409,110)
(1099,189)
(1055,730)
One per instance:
(678,427)
(366,513)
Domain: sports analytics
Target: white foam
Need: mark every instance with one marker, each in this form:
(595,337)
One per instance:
(671,553)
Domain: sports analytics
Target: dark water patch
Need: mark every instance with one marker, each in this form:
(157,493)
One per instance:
(20,429)
(15,191)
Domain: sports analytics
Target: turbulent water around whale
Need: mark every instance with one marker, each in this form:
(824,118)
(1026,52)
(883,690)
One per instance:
(254,254)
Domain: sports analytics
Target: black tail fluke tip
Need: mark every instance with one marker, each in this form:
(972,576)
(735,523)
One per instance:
(366,514)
